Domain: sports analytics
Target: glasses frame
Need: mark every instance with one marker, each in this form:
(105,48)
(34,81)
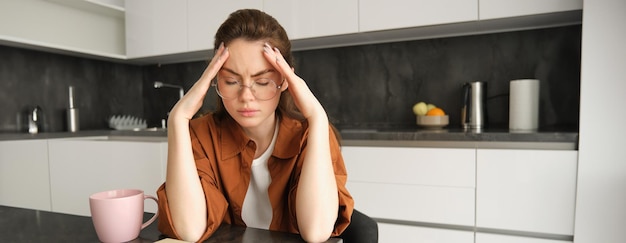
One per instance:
(241,86)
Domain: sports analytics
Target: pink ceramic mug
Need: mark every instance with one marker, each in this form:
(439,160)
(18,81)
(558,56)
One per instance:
(118,214)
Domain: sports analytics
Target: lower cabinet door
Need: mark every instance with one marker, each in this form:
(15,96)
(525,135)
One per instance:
(495,238)
(24,176)
(79,168)
(388,233)
(416,203)
(430,185)
(526,190)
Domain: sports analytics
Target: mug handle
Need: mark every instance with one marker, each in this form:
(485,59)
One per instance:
(144,225)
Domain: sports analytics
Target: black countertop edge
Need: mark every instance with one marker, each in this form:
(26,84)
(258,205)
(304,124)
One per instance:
(460,138)
(81,134)
(461,135)
(400,135)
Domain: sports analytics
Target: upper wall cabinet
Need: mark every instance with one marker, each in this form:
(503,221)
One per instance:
(494,9)
(375,15)
(162,31)
(63,27)
(309,19)
(166,31)
(165,27)
(205,17)
(156,27)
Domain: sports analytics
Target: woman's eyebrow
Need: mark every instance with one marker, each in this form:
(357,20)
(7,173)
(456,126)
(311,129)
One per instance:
(263,72)
(253,75)
(231,71)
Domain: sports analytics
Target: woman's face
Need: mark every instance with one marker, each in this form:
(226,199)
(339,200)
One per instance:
(248,67)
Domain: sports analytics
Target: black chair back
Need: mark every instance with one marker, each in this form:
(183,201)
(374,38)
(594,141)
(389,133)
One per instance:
(362,229)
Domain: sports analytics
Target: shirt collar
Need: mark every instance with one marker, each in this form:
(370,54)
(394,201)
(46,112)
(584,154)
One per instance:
(233,139)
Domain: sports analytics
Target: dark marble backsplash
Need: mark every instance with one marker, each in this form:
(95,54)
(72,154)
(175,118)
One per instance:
(33,78)
(368,86)
(377,85)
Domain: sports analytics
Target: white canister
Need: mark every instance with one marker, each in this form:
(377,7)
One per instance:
(524,105)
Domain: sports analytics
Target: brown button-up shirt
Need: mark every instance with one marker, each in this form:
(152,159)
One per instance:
(223,155)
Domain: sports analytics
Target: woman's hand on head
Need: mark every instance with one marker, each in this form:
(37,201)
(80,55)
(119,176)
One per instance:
(187,107)
(306,102)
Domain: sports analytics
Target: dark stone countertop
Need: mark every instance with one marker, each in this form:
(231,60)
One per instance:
(405,137)
(153,134)
(458,137)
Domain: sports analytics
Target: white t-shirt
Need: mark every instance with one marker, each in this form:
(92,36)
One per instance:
(257,210)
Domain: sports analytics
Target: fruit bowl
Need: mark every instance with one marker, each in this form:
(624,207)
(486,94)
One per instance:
(433,122)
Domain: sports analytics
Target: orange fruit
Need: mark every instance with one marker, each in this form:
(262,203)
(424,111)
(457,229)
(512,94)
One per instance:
(435,112)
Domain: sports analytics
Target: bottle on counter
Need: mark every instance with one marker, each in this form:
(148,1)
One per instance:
(72,113)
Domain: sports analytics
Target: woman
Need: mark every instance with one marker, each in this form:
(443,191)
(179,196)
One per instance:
(266,158)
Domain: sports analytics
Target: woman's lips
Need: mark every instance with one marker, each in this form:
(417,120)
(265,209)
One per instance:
(247,112)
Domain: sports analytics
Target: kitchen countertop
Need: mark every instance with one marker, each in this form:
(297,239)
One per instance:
(28,225)
(459,138)
(405,137)
(156,135)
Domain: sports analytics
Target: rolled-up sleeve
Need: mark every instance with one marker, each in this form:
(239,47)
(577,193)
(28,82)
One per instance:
(216,203)
(346,203)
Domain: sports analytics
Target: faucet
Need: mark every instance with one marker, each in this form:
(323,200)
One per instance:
(159,84)
(181,93)
(34,120)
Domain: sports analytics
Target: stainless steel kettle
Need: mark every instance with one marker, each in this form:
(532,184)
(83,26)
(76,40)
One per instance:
(474,111)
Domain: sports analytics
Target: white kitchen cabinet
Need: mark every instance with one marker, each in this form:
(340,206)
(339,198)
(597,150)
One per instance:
(24,179)
(59,27)
(601,195)
(309,19)
(163,149)
(415,203)
(419,185)
(205,17)
(81,167)
(163,27)
(411,166)
(375,15)
(175,31)
(526,190)
(497,238)
(155,27)
(415,234)
(494,9)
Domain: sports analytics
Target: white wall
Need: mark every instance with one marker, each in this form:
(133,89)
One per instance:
(601,198)
(59,26)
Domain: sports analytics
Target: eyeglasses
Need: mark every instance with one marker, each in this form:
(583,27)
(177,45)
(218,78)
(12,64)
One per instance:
(262,88)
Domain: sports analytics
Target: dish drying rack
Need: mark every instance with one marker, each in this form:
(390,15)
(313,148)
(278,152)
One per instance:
(127,122)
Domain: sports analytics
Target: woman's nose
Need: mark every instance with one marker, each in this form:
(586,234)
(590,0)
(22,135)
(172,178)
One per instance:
(246,93)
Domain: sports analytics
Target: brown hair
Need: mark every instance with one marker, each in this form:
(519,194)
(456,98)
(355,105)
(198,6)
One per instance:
(252,25)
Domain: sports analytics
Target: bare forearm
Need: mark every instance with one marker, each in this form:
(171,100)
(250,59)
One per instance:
(184,191)
(317,199)
(317,196)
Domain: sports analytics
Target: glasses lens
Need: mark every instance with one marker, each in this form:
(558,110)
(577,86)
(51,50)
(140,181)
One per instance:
(262,89)
(227,88)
